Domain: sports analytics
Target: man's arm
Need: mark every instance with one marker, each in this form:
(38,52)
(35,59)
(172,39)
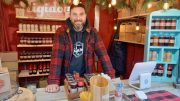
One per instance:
(57,58)
(101,52)
(56,62)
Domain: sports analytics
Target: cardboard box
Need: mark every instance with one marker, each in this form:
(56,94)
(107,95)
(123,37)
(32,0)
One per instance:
(9,56)
(13,75)
(128,28)
(130,37)
(10,65)
(10,61)
(138,37)
(43,82)
(122,36)
(143,38)
(4,76)
(122,28)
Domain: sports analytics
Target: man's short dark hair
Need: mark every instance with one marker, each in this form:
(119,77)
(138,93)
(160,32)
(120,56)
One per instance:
(79,5)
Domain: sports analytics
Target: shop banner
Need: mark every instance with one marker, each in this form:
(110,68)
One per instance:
(46,10)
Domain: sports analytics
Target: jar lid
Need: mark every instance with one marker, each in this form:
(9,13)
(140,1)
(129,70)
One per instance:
(80,83)
(73,83)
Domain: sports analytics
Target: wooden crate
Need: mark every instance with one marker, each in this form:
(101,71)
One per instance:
(70,95)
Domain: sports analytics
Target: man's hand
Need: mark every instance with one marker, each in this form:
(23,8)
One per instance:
(52,88)
(1,83)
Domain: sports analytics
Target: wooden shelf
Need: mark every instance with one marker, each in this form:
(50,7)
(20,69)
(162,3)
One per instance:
(164,30)
(39,60)
(49,45)
(131,42)
(133,17)
(164,62)
(164,47)
(37,32)
(25,73)
(36,18)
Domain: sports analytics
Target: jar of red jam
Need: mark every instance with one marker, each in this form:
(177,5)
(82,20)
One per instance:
(80,86)
(73,86)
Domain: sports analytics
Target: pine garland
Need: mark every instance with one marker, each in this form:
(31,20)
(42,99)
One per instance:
(103,3)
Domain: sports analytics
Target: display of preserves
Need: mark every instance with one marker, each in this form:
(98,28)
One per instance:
(34,48)
(25,27)
(169,70)
(34,55)
(165,39)
(163,23)
(162,44)
(35,40)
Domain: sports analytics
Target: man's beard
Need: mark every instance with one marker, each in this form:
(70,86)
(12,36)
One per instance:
(78,27)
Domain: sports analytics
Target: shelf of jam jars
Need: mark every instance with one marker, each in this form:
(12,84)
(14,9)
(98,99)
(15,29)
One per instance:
(40,60)
(163,47)
(34,47)
(21,45)
(34,69)
(37,18)
(37,32)
(34,56)
(164,72)
(172,30)
(162,43)
(25,73)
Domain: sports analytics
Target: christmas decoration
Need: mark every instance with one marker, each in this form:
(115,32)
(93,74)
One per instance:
(116,4)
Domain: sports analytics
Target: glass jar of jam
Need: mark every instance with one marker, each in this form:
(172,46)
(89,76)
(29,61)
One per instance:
(47,67)
(73,86)
(40,68)
(80,86)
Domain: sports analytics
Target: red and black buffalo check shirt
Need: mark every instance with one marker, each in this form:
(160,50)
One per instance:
(160,95)
(63,50)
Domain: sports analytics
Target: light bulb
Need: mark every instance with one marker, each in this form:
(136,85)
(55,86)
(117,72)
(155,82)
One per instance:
(115,27)
(149,5)
(113,2)
(166,5)
(109,5)
(137,27)
(75,2)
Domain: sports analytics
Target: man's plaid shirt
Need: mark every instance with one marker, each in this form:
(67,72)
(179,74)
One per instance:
(63,51)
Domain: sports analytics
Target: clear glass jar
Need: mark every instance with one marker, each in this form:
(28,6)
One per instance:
(80,86)
(73,86)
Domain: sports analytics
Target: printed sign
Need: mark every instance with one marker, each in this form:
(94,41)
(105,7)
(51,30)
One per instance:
(47,10)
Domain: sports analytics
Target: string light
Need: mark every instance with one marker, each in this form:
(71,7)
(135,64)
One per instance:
(166,5)
(137,26)
(115,27)
(113,2)
(109,5)
(149,5)
(75,2)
